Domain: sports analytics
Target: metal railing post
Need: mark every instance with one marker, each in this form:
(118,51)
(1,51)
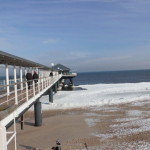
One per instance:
(21,84)
(33,88)
(42,83)
(4,83)
(15,85)
(15,133)
(39,86)
(3,138)
(7,79)
(27,98)
(25,71)
(46,81)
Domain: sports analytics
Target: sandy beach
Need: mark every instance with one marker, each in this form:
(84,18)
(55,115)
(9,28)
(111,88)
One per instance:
(109,127)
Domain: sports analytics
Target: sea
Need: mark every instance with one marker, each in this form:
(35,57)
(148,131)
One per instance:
(112,77)
(109,77)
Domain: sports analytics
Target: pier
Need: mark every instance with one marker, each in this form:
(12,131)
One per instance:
(18,94)
(66,75)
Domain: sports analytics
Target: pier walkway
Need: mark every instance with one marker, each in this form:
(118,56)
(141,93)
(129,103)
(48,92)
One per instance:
(16,97)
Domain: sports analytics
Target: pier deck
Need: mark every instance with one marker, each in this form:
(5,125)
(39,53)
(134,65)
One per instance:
(71,75)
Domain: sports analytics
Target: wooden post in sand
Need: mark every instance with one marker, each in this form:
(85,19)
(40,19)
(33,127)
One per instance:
(22,122)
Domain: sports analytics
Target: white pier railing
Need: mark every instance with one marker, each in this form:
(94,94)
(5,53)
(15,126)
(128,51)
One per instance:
(22,98)
(23,91)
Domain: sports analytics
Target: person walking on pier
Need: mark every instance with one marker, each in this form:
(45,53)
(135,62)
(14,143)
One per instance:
(51,74)
(35,77)
(29,79)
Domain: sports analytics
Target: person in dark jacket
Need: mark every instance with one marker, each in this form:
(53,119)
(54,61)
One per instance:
(29,79)
(51,74)
(35,77)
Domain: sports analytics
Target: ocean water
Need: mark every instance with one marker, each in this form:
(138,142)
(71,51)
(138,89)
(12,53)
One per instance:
(109,77)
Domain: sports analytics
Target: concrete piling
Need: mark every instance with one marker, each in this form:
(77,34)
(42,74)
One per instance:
(38,113)
(51,95)
(58,84)
(55,87)
(71,80)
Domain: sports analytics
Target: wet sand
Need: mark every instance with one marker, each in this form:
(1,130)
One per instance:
(113,127)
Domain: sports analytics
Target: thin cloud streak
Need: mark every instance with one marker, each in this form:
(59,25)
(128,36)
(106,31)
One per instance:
(51,41)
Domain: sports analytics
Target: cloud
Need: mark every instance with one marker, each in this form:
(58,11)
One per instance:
(136,5)
(50,41)
(82,60)
(87,1)
(69,1)
(5,44)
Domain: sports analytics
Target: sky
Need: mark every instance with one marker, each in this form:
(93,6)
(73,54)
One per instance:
(84,35)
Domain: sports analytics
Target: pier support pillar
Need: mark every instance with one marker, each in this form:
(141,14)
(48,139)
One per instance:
(58,84)
(71,81)
(55,87)
(51,95)
(38,113)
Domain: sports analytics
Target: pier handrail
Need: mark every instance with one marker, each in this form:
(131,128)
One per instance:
(70,74)
(28,91)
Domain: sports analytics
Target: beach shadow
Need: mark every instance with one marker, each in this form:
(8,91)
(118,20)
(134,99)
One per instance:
(29,123)
(79,88)
(73,89)
(29,147)
(45,103)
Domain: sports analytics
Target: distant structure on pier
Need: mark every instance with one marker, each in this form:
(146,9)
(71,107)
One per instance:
(61,69)
(66,75)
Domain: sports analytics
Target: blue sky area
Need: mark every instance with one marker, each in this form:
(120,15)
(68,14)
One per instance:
(85,35)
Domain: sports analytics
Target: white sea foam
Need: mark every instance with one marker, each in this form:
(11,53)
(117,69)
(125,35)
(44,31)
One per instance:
(98,95)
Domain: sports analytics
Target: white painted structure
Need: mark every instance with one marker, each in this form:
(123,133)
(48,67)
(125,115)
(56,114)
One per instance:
(17,93)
